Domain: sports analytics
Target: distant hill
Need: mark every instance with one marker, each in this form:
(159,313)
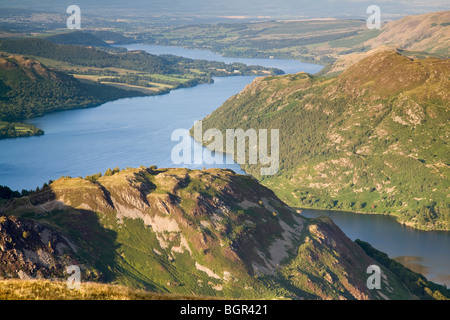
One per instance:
(30,89)
(374,139)
(428,34)
(190,232)
(77,38)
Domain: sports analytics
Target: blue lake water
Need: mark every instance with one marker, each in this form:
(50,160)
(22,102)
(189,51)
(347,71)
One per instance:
(137,131)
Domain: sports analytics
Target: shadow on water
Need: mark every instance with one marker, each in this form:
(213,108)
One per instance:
(425,252)
(413,263)
(90,234)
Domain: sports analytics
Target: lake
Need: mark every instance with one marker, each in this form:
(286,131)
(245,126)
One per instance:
(288,66)
(137,131)
(127,132)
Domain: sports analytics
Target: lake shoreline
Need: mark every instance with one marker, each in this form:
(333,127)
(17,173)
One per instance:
(393,216)
(418,249)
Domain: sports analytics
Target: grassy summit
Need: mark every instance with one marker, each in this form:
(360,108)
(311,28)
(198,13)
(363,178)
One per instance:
(38,77)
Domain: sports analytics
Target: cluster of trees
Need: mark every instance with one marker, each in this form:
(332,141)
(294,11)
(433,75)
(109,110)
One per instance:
(112,36)
(131,79)
(429,213)
(109,172)
(78,38)
(307,117)
(11,130)
(215,68)
(7,193)
(102,72)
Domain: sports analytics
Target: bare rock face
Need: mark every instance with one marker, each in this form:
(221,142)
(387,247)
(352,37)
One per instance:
(209,232)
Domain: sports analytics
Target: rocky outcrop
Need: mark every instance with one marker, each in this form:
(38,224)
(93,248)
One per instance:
(209,232)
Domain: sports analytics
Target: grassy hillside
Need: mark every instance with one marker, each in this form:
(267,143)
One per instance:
(63,77)
(189,232)
(30,89)
(374,139)
(426,33)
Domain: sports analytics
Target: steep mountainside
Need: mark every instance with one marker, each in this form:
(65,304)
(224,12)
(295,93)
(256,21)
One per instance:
(29,89)
(420,34)
(211,232)
(374,139)
(29,249)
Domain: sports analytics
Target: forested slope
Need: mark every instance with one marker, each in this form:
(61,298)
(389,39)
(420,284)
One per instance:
(374,139)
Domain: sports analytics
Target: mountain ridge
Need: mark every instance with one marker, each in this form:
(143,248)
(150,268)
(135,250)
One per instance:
(210,232)
(419,34)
